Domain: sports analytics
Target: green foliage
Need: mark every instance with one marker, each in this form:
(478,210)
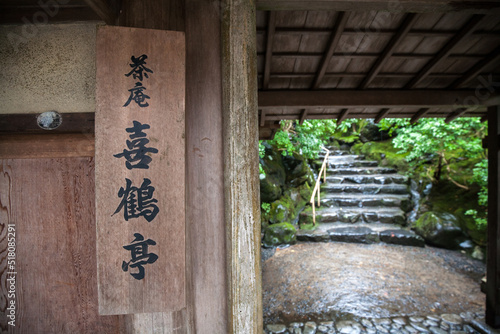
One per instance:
(431,142)
(266,208)
(306,139)
(438,149)
(480,176)
(349,130)
(481,222)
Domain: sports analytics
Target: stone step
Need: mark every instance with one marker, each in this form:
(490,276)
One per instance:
(334,152)
(361,233)
(360,171)
(352,163)
(402,202)
(364,179)
(370,188)
(346,157)
(369,215)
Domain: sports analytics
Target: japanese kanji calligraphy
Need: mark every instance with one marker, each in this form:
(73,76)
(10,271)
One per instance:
(140,170)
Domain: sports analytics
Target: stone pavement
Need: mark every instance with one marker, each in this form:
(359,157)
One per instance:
(371,288)
(465,323)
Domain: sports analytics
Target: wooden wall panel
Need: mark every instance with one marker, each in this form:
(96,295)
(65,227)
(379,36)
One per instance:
(51,203)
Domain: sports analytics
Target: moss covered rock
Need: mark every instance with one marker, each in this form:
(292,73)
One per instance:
(273,181)
(440,229)
(297,170)
(279,234)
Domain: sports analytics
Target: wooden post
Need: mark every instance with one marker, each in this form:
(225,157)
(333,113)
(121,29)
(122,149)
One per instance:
(241,172)
(493,258)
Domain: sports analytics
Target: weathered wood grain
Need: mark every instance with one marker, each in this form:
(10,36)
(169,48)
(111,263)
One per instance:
(163,286)
(241,172)
(32,146)
(50,202)
(205,225)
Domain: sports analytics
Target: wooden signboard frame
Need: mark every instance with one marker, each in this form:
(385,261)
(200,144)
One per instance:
(140,170)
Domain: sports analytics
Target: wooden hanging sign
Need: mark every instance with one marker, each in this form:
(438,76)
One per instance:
(140,170)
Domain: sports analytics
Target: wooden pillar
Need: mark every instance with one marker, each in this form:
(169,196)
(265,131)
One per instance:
(241,172)
(207,284)
(222,189)
(223,194)
(493,258)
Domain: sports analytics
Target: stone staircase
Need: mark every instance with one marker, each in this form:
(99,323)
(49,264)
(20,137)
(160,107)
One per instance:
(361,202)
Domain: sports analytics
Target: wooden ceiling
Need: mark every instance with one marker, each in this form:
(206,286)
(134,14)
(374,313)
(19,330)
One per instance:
(343,59)
(376,64)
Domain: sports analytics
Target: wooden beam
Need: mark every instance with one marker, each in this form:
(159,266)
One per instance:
(455,114)
(408,22)
(418,115)
(379,32)
(271,25)
(64,13)
(103,10)
(343,115)
(302,99)
(303,116)
(493,249)
(381,115)
(27,123)
(262,117)
(334,115)
(466,30)
(332,45)
(369,55)
(35,146)
(477,69)
(405,6)
(292,75)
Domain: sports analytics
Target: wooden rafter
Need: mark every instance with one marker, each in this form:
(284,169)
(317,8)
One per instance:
(446,50)
(343,115)
(303,116)
(409,6)
(455,114)
(380,98)
(408,22)
(381,115)
(103,10)
(477,69)
(418,115)
(271,26)
(334,40)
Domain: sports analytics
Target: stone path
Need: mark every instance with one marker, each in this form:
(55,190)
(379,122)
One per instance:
(324,282)
(361,202)
(366,282)
(465,323)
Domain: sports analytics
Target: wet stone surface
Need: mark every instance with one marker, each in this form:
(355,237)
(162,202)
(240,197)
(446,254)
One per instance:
(465,323)
(322,281)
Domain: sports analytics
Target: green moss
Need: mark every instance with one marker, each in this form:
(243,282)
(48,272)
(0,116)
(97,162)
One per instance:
(447,197)
(279,234)
(426,224)
(383,152)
